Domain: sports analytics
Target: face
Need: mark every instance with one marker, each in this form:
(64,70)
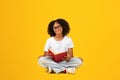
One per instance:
(57,28)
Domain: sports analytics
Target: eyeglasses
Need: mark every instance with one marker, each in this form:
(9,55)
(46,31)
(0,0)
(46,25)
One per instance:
(56,27)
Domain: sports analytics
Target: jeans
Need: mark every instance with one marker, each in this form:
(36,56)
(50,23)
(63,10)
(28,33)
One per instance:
(60,66)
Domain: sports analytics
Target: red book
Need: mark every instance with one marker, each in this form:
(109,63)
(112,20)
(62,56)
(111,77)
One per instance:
(57,57)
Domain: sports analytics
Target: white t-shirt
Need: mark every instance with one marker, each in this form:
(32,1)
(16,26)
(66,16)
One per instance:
(59,46)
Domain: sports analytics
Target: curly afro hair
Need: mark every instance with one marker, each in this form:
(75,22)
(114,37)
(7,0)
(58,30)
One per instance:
(64,24)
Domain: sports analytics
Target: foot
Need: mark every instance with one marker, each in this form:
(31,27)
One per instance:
(50,70)
(70,70)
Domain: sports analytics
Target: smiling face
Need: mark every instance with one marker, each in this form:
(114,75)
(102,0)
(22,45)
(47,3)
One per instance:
(57,28)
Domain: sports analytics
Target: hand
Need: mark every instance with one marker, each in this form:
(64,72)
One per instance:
(50,56)
(66,58)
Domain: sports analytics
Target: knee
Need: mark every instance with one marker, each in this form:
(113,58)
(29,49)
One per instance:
(79,61)
(41,60)
(40,56)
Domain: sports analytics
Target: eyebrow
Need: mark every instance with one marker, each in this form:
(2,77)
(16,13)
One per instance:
(57,26)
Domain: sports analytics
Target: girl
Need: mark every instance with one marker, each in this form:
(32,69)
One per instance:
(59,42)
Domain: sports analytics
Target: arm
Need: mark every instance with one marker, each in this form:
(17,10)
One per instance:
(46,53)
(69,54)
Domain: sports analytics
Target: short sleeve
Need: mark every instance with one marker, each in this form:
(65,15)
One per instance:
(70,45)
(46,47)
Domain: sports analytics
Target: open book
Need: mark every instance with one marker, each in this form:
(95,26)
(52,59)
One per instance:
(57,57)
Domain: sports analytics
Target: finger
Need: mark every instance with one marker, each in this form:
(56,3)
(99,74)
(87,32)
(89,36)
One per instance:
(65,56)
(51,56)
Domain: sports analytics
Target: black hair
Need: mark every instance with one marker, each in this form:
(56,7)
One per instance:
(64,24)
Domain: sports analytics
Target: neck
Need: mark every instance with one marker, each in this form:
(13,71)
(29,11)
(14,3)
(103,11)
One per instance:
(58,36)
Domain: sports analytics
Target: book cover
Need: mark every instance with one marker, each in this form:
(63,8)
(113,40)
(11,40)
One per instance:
(57,57)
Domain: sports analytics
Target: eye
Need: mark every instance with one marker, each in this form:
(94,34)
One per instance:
(56,27)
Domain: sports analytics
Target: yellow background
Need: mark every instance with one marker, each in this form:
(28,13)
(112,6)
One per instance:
(95,30)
